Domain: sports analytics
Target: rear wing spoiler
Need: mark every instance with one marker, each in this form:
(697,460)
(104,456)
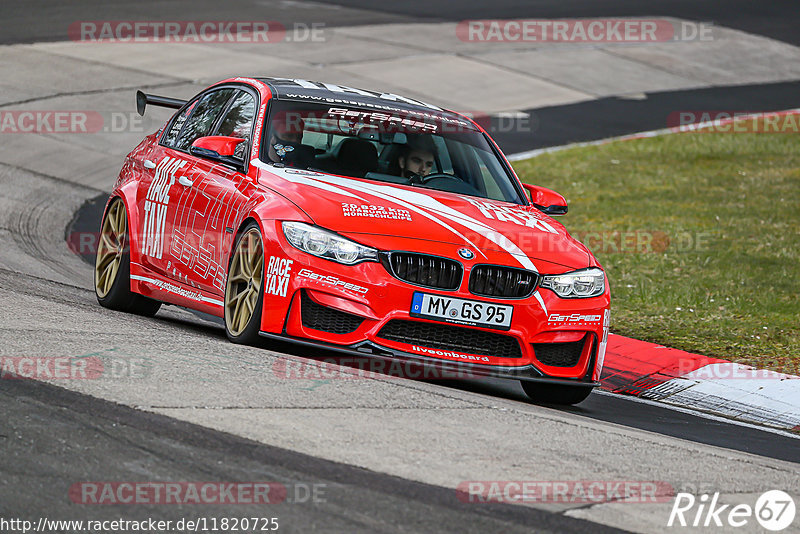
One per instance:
(142,99)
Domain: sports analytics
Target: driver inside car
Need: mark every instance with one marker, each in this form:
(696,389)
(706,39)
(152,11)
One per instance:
(417,158)
(286,137)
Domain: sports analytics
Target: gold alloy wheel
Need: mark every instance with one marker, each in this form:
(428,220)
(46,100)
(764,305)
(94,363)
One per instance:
(244,282)
(110,248)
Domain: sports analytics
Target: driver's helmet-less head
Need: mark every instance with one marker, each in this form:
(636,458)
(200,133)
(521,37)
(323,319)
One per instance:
(418,157)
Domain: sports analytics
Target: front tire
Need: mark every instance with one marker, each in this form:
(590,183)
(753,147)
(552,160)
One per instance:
(244,290)
(112,268)
(544,393)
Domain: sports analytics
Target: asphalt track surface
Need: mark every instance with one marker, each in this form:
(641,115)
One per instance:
(52,437)
(777,19)
(44,20)
(614,116)
(610,408)
(88,439)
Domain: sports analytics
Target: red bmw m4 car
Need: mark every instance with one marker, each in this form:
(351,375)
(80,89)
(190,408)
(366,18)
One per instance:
(358,221)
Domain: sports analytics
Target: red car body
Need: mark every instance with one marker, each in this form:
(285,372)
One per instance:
(185,210)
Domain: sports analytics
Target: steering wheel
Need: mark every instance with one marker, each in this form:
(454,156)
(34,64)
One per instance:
(441,175)
(448,182)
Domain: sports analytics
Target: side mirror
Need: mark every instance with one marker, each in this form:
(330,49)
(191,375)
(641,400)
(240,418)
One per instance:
(546,200)
(218,148)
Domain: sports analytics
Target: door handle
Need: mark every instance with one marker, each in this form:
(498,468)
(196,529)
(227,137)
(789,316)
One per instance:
(149,164)
(184,181)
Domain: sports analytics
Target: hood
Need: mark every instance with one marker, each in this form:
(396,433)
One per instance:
(352,206)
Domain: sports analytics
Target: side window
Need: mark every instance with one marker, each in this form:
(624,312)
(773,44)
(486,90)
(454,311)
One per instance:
(175,129)
(238,121)
(486,174)
(202,120)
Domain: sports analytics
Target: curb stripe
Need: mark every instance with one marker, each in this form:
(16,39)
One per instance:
(654,372)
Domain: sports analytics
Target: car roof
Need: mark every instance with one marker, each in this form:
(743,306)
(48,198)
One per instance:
(328,93)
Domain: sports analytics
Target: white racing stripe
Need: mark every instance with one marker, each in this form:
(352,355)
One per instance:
(414,201)
(321,184)
(423,200)
(316,183)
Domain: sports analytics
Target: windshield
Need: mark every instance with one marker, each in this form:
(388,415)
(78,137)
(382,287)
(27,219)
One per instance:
(423,149)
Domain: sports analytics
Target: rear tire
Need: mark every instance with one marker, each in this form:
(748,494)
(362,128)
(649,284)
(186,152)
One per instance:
(112,271)
(244,289)
(541,392)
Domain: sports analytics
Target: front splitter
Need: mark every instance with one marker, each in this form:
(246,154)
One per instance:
(445,368)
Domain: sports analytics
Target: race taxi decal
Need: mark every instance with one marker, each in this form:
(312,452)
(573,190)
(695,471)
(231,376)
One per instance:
(277,276)
(513,215)
(156,204)
(375,212)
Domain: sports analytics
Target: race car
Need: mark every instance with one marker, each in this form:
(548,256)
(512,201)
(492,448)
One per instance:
(364,222)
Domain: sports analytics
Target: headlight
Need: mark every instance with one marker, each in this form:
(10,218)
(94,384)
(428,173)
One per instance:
(325,244)
(577,284)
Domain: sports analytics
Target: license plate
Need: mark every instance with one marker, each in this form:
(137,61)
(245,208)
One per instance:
(461,311)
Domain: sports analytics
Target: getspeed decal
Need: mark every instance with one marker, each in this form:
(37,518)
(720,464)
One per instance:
(573,318)
(383,118)
(331,280)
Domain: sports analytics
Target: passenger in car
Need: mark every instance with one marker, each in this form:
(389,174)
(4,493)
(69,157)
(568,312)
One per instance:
(285,138)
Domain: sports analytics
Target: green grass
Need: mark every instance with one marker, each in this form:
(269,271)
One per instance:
(735,293)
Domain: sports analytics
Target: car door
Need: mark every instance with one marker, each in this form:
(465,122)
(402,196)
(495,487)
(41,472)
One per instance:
(209,203)
(155,191)
(161,198)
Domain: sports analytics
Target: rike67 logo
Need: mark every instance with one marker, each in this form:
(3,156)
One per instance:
(774,510)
